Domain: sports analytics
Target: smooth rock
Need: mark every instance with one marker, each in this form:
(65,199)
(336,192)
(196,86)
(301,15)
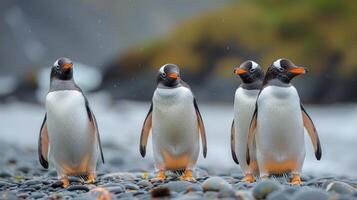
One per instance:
(117,189)
(210,195)
(278,195)
(144,184)
(131,186)
(339,187)
(215,184)
(244,195)
(264,188)
(311,195)
(160,192)
(178,186)
(78,187)
(194,188)
(37,195)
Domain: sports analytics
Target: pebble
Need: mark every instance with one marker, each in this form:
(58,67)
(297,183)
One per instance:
(131,186)
(78,187)
(160,192)
(177,186)
(144,184)
(264,188)
(312,194)
(37,195)
(215,184)
(339,187)
(210,195)
(116,189)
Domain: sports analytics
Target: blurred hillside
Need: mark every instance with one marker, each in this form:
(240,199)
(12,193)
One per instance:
(318,34)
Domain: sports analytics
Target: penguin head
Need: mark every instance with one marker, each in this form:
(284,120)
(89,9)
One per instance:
(284,70)
(62,69)
(169,75)
(250,72)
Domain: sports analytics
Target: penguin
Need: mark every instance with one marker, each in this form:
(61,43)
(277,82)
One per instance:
(69,138)
(176,125)
(278,122)
(252,76)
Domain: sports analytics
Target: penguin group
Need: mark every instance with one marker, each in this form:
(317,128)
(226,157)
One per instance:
(267,132)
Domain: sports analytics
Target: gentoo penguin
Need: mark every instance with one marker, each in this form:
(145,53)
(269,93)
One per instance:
(252,76)
(176,123)
(277,125)
(69,136)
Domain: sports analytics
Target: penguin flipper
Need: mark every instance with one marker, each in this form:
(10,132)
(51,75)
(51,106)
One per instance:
(233,144)
(310,127)
(145,132)
(201,128)
(251,133)
(43,144)
(94,125)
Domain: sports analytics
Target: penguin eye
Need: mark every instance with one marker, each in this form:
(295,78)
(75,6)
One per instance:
(163,74)
(252,70)
(281,69)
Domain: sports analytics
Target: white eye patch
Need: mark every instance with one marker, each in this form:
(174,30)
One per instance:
(254,64)
(56,63)
(277,63)
(162,69)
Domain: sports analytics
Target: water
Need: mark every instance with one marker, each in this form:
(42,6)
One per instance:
(120,123)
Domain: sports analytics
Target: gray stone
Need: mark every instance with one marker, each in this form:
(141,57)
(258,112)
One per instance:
(215,184)
(78,187)
(339,187)
(194,188)
(311,195)
(131,186)
(279,195)
(264,188)
(116,189)
(178,186)
(210,195)
(37,195)
(145,184)
(244,195)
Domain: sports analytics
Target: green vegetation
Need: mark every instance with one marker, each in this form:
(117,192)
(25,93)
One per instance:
(314,33)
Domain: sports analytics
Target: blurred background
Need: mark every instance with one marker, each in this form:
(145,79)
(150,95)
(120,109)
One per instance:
(118,46)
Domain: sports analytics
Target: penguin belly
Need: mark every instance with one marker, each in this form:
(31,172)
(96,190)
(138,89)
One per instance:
(72,141)
(244,105)
(280,131)
(174,129)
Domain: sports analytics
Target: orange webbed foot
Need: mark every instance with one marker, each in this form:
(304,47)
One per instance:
(296,180)
(187,176)
(90,179)
(65,182)
(160,176)
(248,178)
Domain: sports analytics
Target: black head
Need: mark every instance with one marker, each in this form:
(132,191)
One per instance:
(251,73)
(169,75)
(62,69)
(283,71)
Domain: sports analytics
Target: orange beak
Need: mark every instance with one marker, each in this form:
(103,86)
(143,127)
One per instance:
(173,76)
(67,66)
(297,70)
(240,71)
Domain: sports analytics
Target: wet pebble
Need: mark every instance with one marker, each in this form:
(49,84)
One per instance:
(339,187)
(160,192)
(116,189)
(264,188)
(145,184)
(78,187)
(178,186)
(215,184)
(37,195)
(312,194)
(131,186)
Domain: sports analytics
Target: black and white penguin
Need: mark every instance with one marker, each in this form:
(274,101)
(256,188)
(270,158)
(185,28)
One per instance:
(176,125)
(252,76)
(278,123)
(69,136)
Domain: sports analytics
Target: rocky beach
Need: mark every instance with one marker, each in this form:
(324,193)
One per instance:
(21,177)
(125,175)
